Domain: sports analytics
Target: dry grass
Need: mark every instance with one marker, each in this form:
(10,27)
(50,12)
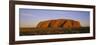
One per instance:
(39,31)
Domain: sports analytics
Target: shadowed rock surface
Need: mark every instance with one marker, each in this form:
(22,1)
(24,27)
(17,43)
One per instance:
(59,23)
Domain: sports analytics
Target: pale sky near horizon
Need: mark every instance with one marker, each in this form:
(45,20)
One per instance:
(31,17)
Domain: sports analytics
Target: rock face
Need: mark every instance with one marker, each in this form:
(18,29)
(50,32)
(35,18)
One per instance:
(44,24)
(56,23)
(59,23)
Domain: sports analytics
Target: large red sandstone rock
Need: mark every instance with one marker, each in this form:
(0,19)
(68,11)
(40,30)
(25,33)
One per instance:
(59,23)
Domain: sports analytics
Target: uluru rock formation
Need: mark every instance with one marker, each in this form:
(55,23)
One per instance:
(59,23)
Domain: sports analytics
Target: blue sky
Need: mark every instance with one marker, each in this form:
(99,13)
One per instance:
(31,17)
